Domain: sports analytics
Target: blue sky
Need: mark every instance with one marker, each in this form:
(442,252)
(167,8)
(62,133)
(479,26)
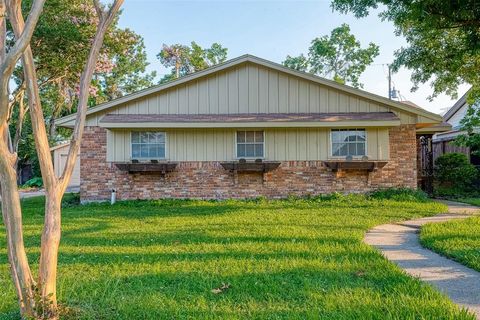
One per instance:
(270,30)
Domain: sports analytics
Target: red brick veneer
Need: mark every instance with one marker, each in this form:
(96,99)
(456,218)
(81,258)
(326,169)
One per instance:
(209,180)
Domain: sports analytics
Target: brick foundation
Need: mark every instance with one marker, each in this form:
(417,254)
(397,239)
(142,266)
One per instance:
(209,180)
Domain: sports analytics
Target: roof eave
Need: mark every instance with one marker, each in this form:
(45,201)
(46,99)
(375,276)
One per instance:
(265,124)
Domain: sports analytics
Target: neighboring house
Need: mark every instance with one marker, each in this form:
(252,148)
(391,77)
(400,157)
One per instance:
(247,128)
(60,154)
(442,142)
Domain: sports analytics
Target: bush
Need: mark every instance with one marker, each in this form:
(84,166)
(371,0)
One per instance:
(34,182)
(71,200)
(399,194)
(454,171)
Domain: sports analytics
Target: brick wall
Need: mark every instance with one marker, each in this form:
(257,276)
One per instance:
(209,179)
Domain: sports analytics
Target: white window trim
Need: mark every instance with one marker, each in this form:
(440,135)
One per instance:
(343,157)
(236,143)
(148,158)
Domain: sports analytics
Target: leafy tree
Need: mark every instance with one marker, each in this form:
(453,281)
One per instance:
(338,56)
(443,39)
(37,296)
(176,56)
(471,125)
(185,59)
(60,44)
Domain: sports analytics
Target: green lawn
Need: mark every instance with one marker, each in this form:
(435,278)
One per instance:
(472,201)
(292,259)
(459,240)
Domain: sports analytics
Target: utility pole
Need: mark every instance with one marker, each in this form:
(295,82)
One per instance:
(389,82)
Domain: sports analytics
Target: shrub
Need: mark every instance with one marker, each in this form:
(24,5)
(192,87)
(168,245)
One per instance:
(71,200)
(454,171)
(34,182)
(399,194)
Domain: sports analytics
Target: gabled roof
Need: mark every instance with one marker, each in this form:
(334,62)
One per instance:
(265,63)
(457,106)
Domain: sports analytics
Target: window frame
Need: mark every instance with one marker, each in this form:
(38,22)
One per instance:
(348,129)
(235,137)
(148,158)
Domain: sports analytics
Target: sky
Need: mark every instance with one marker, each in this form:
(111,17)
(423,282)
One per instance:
(271,30)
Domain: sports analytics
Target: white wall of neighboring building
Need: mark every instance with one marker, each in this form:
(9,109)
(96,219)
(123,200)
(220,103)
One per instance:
(457,117)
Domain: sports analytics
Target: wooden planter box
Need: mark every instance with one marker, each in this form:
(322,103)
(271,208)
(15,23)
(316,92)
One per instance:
(162,167)
(237,166)
(368,165)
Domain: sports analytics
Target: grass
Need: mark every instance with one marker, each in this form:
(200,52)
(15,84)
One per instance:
(472,201)
(290,259)
(458,240)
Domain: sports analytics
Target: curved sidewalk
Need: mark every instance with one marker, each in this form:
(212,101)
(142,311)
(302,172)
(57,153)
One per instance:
(400,244)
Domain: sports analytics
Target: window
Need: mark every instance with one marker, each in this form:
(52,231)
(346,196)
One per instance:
(148,145)
(348,142)
(250,144)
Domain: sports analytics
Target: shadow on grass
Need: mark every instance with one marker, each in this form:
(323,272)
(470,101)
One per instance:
(294,293)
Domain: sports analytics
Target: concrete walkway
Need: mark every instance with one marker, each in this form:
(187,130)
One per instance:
(400,244)
(41,192)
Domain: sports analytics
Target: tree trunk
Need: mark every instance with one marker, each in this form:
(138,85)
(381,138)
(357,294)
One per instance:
(12,217)
(54,187)
(47,276)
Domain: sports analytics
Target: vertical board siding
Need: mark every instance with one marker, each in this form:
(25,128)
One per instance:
(293,144)
(249,88)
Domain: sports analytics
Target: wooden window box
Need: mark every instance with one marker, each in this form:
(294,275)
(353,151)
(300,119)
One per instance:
(368,165)
(132,167)
(250,166)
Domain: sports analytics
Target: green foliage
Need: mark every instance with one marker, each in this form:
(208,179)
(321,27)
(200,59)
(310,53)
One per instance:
(160,259)
(457,239)
(400,194)
(443,39)
(471,125)
(338,56)
(185,59)
(60,44)
(473,201)
(34,182)
(453,170)
(71,200)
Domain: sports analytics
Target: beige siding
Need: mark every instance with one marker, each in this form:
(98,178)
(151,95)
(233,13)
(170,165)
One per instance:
(219,144)
(59,159)
(249,88)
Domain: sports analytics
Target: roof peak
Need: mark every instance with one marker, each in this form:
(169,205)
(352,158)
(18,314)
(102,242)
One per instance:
(262,62)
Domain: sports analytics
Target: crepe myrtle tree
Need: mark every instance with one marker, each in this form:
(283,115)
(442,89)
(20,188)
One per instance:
(37,297)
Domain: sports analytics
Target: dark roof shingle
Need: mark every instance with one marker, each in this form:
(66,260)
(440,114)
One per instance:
(252,117)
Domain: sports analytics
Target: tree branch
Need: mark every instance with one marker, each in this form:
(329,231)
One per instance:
(99,8)
(19,125)
(17,95)
(22,41)
(85,81)
(34,102)
(3,31)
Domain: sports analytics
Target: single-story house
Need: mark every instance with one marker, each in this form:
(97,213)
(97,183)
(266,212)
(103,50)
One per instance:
(442,141)
(247,128)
